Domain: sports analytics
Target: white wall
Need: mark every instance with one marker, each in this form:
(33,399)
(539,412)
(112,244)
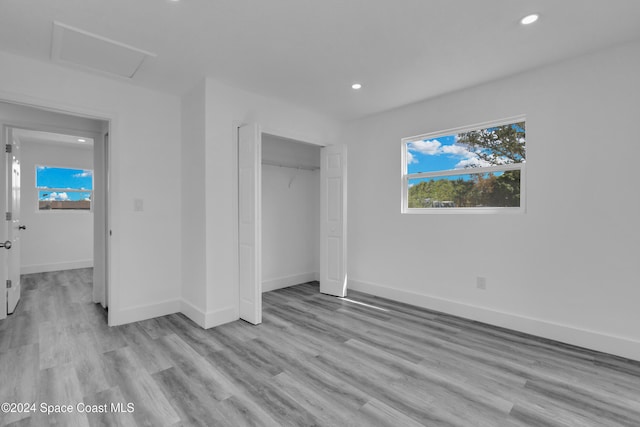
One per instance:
(53,240)
(567,269)
(193,203)
(24,116)
(145,164)
(290,214)
(225,109)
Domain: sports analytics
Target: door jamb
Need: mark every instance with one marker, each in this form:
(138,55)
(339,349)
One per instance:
(111,119)
(279,133)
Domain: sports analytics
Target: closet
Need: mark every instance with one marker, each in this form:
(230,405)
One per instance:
(290,212)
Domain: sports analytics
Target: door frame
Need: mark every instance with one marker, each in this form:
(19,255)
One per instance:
(280,133)
(14,206)
(111,120)
(250,230)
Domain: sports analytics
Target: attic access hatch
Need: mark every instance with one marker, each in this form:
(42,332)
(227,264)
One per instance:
(90,51)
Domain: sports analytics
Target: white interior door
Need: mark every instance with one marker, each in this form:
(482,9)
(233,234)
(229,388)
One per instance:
(100,223)
(4,203)
(333,221)
(13,220)
(249,222)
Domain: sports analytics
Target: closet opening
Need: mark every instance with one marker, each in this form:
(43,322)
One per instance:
(291,217)
(290,198)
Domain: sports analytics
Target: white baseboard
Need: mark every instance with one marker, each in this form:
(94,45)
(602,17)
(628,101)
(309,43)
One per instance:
(284,282)
(192,312)
(594,340)
(59,266)
(143,312)
(221,316)
(209,319)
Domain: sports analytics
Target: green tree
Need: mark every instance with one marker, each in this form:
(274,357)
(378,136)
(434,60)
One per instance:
(507,189)
(496,144)
(462,193)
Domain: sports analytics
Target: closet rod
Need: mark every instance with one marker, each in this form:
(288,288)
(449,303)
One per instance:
(282,165)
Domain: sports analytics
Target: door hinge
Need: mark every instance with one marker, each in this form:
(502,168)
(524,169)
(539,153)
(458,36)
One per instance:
(9,284)
(7,148)
(8,216)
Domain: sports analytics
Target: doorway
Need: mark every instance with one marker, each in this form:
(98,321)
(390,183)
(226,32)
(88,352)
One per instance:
(286,153)
(290,212)
(61,212)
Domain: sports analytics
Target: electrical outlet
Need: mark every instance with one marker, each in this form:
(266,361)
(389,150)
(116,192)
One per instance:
(481,282)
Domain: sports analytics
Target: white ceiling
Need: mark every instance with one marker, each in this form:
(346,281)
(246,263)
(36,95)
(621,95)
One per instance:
(310,51)
(27,135)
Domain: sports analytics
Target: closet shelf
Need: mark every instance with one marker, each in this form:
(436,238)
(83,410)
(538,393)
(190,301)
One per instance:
(291,166)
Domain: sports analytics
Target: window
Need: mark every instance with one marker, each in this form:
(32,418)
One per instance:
(64,188)
(474,169)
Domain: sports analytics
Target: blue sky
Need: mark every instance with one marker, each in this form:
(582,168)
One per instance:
(439,154)
(63,178)
(443,153)
(467,177)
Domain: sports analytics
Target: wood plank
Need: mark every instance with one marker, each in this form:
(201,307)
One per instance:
(60,386)
(109,418)
(376,413)
(188,398)
(194,365)
(55,344)
(19,378)
(315,360)
(89,364)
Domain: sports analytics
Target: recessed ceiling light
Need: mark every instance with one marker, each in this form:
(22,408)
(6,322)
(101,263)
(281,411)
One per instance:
(356,86)
(529,19)
(82,140)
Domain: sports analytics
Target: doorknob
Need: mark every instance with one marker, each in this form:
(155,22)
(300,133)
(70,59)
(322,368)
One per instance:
(6,245)
(22,227)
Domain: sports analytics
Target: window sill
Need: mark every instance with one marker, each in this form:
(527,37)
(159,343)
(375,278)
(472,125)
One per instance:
(462,211)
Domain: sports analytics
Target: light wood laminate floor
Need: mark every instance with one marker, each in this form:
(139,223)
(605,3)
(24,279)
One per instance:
(316,360)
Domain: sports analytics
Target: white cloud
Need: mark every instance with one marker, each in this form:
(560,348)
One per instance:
(473,162)
(410,158)
(83,174)
(458,150)
(495,160)
(59,197)
(435,148)
(468,158)
(478,162)
(426,147)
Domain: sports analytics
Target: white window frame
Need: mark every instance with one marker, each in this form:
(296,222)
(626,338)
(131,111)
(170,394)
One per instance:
(406,177)
(66,190)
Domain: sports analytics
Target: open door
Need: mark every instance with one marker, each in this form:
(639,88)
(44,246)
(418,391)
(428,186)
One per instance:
(5,243)
(13,220)
(249,222)
(100,219)
(333,221)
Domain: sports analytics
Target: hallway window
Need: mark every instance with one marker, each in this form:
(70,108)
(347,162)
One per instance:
(473,169)
(64,188)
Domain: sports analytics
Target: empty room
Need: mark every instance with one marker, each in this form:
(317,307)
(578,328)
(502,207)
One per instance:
(281,213)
